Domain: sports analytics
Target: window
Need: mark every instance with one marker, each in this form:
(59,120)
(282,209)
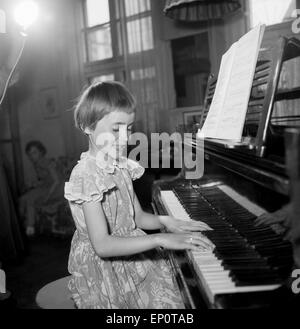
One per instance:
(139,25)
(119,45)
(113,28)
(140,37)
(103,28)
(99,44)
(270,11)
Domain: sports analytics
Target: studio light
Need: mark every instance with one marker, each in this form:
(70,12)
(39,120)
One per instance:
(26,14)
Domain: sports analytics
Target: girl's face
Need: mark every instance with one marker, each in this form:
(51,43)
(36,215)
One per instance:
(112,132)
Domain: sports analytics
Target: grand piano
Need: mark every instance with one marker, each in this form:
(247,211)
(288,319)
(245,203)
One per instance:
(242,181)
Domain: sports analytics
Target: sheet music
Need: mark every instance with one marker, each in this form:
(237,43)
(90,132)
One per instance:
(230,102)
(211,123)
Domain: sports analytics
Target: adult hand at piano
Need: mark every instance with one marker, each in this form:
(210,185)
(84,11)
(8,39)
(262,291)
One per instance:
(175,225)
(181,241)
(280,216)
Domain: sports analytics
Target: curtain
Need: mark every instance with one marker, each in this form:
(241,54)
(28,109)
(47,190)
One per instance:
(139,54)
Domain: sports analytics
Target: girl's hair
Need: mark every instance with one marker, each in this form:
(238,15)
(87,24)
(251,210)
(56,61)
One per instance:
(101,99)
(38,145)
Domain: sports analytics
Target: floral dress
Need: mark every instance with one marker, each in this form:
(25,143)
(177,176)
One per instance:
(144,280)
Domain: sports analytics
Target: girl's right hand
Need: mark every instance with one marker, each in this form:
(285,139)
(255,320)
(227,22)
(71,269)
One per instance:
(180,241)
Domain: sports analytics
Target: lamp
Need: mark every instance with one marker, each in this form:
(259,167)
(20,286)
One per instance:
(26,13)
(200,10)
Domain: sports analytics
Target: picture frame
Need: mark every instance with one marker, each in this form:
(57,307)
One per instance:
(49,103)
(191,118)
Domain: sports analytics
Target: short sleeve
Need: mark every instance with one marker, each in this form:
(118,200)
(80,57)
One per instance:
(87,187)
(135,169)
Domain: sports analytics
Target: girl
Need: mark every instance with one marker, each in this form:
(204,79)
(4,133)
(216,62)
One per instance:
(113,262)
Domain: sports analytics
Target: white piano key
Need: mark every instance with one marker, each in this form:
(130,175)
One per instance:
(215,269)
(244,289)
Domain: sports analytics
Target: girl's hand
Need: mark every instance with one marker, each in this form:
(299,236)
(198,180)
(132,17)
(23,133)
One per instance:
(175,225)
(181,241)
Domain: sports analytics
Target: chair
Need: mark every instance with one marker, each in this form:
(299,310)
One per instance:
(55,295)
(56,218)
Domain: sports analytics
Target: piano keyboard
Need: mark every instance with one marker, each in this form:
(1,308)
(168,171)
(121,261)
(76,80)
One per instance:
(245,258)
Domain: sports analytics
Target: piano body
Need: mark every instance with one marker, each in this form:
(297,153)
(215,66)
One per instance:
(249,264)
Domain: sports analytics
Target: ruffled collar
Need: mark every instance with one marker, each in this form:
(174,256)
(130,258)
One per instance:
(109,165)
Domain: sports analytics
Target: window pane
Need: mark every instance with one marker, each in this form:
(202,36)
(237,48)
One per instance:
(101,78)
(133,7)
(97,12)
(271,11)
(99,44)
(141,74)
(140,36)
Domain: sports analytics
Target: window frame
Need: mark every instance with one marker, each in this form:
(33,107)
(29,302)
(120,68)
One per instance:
(117,63)
(113,27)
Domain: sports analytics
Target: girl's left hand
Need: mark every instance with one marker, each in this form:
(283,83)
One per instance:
(175,225)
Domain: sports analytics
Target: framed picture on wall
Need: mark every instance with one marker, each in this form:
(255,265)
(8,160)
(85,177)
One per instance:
(192,117)
(49,103)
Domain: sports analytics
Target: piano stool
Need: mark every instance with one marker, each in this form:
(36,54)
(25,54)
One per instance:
(55,295)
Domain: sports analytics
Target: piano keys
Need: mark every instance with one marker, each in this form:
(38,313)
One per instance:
(245,257)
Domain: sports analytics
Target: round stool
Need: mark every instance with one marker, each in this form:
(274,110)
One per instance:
(55,295)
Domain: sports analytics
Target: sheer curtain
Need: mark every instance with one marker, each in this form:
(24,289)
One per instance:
(139,55)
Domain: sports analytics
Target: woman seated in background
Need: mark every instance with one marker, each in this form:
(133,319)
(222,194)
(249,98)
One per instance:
(47,190)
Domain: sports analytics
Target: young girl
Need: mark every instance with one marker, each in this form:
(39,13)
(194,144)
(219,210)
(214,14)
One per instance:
(113,262)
